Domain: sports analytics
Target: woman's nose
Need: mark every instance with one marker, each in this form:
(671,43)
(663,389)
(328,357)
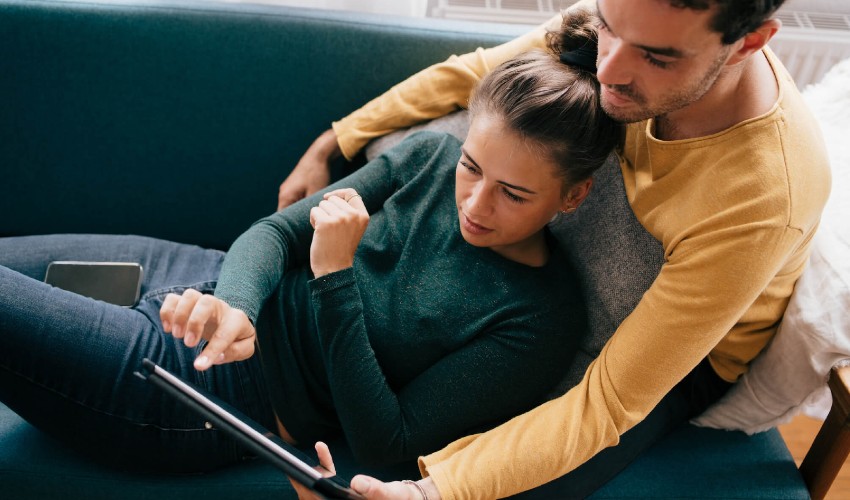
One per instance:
(479,200)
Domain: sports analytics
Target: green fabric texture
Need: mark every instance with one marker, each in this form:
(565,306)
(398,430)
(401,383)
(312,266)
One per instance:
(426,338)
(180,119)
(697,462)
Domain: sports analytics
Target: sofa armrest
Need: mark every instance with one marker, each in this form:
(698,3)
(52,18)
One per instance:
(832,443)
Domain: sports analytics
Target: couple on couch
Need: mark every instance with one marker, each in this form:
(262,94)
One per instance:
(407,317)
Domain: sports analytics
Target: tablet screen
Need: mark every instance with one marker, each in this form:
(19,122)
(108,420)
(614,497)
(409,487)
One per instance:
(247,432)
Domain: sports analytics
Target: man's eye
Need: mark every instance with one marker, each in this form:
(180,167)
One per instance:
(655,61)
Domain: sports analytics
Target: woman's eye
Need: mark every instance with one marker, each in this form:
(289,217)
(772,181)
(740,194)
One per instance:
(468,167)
(514,198)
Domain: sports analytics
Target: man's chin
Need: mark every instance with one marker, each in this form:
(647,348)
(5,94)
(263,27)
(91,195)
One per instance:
(624,115)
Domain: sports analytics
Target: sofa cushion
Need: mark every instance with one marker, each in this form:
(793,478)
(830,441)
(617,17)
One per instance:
(180,119)
(694,462)
(33,465)
(728,465)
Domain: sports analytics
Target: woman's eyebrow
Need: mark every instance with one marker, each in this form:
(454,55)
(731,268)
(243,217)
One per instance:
(468,156)
(472,160)
(518,188)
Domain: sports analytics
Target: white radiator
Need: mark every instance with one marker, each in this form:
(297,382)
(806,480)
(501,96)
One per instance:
(809,43)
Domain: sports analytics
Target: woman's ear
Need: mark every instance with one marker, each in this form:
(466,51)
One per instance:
(576,195)
(754,41)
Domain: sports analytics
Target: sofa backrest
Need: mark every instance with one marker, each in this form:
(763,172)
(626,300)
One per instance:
(179,119)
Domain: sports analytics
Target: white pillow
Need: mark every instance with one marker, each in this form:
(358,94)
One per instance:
(814,336)
(790,375)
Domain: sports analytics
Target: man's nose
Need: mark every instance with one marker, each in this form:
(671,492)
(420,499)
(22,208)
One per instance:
(613,65)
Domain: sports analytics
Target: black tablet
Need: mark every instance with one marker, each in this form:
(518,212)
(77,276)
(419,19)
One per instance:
(248,433)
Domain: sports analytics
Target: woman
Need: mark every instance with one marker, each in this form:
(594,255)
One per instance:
(415,301)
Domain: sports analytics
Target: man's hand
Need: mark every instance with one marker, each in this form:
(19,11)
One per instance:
(194,316)
(374,489)
(369,487)
(313,171)
(339,222)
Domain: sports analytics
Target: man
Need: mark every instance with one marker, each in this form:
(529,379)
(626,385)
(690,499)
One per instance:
(721,163)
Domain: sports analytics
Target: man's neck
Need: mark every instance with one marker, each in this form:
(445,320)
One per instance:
(740,93)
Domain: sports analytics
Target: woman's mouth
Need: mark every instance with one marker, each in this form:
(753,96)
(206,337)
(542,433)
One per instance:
(472,227)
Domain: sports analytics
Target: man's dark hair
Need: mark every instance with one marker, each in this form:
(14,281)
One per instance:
(734,18)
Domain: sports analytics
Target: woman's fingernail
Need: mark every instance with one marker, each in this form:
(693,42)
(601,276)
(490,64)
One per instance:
(166,326)
(178,332)
(202,362)
(190,339)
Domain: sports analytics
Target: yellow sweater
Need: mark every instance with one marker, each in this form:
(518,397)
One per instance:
(735,212)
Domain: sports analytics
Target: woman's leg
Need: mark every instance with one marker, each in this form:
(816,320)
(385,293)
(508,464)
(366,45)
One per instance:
(67,363)
(164,263)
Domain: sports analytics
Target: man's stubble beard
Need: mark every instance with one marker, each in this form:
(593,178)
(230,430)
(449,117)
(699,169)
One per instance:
(679,99)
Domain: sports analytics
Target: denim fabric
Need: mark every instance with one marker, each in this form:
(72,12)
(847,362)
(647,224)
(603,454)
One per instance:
(67,361)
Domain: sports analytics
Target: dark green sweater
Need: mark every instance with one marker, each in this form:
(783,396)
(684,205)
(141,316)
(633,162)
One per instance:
(425,339)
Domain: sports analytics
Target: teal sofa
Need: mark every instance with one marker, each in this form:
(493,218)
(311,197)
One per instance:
(179,119)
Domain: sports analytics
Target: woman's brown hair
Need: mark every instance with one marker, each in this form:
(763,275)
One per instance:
(554,105)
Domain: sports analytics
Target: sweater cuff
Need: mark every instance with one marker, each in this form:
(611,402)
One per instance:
(350,140)
(439,476)
(250,309)
(332,281)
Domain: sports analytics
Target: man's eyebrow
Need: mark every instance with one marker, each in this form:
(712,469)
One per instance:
(518,188)
(661,51)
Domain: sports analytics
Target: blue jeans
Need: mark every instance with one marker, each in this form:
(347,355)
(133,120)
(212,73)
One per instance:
(67,361)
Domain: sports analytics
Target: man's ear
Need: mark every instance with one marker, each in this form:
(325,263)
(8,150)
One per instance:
(754,41)
(576,195)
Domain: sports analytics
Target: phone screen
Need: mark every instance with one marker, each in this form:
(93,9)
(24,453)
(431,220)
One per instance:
(114,282)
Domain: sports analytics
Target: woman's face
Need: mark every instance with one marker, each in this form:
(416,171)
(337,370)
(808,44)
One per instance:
(505,191)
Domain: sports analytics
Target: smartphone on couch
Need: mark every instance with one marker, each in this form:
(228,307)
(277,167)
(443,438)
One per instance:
(114,282)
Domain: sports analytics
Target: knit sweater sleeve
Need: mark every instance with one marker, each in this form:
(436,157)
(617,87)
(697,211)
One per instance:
(257,260)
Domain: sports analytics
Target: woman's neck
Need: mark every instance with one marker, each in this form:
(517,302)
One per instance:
(532,252)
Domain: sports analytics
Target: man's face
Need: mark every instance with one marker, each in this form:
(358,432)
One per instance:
(655,59)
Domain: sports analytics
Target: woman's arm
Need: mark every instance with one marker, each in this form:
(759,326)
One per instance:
(501,373)
(257,260)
